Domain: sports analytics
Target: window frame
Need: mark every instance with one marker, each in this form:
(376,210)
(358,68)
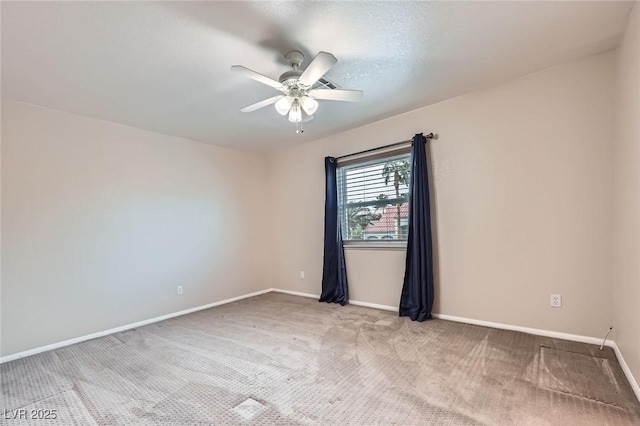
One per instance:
(379,243)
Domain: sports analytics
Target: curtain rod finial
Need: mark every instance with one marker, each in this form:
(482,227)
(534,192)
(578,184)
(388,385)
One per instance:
(432,136)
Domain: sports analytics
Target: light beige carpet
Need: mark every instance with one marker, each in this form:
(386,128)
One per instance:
(279,359)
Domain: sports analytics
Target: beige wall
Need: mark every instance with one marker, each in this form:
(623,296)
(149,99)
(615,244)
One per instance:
(522,176)
(626,289)
(101,222)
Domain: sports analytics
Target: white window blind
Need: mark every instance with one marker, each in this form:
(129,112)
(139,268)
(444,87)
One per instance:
(373,198)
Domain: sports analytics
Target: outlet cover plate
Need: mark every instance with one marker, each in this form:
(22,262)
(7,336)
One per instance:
(556,301)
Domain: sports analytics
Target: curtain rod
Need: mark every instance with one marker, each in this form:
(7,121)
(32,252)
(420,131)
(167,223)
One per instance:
(366,151)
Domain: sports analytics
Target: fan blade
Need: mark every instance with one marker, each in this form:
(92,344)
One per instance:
(337,94)
(317,68)
(257,76)
(262,104)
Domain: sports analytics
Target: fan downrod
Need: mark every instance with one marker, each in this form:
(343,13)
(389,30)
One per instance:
(295,58)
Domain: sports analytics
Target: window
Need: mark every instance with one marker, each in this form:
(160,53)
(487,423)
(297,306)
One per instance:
(373,198)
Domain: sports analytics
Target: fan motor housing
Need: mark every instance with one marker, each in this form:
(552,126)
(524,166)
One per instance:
(290,78)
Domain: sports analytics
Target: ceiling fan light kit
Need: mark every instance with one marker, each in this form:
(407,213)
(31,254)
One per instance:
(309,105)
(284,104)
(295,113)
(300,89)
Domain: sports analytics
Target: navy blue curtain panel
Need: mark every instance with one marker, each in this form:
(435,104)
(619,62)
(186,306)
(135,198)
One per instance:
(417,290)
(334,271)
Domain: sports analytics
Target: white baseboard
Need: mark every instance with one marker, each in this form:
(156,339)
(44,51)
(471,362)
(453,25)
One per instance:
(374,306)
(295,293)
(123,328)
(528,330)
(536,331)
(351,302)
(627,370)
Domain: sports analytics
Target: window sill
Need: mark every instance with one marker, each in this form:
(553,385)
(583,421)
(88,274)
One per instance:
(357,245)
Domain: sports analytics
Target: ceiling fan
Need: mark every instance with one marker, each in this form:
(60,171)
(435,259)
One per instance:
(300,89)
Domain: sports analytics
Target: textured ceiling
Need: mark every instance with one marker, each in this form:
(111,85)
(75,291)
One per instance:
(165,66)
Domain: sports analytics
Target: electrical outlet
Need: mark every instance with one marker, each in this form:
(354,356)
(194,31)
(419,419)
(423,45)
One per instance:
(556,301)
(302,274)
(179,290)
